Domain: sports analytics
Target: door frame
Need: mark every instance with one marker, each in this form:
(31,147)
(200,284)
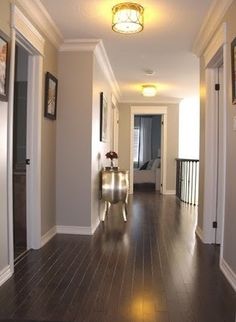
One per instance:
(149,110)
(22,29)
(215,55)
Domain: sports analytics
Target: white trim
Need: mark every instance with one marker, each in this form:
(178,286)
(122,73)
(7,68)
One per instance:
(215,53)
(23,26)
(97,47)
(49,235)
(210,24)
(101,55)
(217,41)
(95,226)
(34,128)
(5,274)
(74,230)
(156,110)
(228,273)
(199,233)
(169,192)
(18,20)
(79,45)
(37,12)
(156,101)
(10,152)
(225,97)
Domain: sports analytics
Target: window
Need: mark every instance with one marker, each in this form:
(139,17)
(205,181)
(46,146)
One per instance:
(136,145)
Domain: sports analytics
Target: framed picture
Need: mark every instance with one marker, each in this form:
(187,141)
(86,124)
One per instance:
(4,66)
(50,110)
(103,118)
(233,58)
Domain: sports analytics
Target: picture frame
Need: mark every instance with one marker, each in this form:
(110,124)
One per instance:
(103,117)
(50,109)
(4,66)
(233,67)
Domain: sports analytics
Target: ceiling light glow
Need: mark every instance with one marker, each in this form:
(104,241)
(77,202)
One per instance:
(127,18)
(149,90)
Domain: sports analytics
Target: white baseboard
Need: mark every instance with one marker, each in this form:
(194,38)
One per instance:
(228,273)
(5,274)
(49,234)
(170,192)
(199,233)
(74,230)
(95,226)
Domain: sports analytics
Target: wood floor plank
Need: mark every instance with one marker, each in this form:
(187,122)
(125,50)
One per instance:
(151,269)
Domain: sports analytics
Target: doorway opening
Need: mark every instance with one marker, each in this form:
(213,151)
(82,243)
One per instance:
(154,176)
(147,152)
(20,151)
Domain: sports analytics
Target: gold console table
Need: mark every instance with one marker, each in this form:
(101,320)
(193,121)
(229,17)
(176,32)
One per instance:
(115,185)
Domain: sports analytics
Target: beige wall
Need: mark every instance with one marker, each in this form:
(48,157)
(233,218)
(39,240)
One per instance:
(99,149)
(172,139)
(229,254)
(74,134)
(48,150)
(80,154)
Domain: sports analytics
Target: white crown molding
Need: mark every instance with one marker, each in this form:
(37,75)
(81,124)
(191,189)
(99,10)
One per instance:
(161,101)
(218,40)
(211,22)
(105,65)
(97,47)
(79,45)
(49,234)
(37,12)
(228,273)
(5,274)
(24,27)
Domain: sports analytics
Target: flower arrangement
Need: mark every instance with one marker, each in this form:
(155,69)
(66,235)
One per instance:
(112,155)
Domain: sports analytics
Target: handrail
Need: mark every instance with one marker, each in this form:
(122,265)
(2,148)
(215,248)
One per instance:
(187,172)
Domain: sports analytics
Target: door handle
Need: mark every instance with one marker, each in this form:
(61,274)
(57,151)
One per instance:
(27,161)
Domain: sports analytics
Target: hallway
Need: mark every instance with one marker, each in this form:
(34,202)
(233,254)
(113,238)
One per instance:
(153,268)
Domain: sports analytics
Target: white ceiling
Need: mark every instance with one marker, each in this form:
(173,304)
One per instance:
(164,45)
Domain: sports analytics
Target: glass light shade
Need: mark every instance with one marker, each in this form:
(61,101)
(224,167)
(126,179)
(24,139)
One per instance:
(149,90)
(127,18)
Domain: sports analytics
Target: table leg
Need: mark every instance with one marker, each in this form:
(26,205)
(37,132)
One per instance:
(124,211)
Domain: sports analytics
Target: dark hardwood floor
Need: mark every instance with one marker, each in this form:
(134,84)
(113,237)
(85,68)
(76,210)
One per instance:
(153,268)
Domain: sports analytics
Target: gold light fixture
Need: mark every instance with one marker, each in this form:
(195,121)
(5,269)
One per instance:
(127,18)
(149,90)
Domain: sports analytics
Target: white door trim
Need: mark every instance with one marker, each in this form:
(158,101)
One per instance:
(22,28)
(214,55)
(149,110)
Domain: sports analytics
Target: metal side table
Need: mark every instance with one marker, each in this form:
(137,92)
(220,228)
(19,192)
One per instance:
(115,185)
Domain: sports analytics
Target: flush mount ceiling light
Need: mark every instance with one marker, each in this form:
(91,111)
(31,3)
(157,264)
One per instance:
(127,18)
(149,90)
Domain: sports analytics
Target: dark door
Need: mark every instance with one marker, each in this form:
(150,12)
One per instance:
(19,151)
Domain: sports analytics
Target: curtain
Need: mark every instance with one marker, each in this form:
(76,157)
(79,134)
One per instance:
(145,139)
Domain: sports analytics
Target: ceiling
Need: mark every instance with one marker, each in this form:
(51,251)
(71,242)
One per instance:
(164,46)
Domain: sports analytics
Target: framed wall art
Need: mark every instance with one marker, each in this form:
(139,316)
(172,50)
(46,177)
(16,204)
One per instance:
(4,66)
(103,117)
(233,66)
(50,110)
